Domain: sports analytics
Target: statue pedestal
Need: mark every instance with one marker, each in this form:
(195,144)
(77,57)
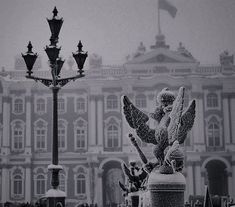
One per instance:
(166,189)
(134,199)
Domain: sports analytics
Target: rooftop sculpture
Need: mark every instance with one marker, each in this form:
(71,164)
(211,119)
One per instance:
(173,124)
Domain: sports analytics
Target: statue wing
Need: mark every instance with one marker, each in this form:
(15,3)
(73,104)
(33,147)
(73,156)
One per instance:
(133,115)
(187,121)
(137,120)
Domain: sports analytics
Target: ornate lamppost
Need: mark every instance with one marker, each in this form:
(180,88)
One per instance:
(55,197)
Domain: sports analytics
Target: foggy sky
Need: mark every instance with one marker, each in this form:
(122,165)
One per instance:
(114,28)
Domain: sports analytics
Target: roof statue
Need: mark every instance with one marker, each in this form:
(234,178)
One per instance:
(173,124)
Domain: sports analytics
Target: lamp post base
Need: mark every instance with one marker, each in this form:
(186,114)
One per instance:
(55,198)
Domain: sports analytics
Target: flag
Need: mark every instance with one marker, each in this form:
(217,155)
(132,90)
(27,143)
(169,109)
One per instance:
(165,5)
(207,199)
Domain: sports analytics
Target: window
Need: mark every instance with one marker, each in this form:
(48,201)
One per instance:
(40,184)
(62,134)
(17,185)
(40,130)
(212,100)
(140,101)
(40,106)
(18,135)
(62,185)
(18,106)
(112,102)
(81,184)
(80,105)
(80,128)
(213,135)
(61,105)
(112,136)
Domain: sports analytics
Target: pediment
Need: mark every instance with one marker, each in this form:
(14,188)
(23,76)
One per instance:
(161,55)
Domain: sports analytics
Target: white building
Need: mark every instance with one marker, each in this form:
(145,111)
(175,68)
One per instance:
(92,129)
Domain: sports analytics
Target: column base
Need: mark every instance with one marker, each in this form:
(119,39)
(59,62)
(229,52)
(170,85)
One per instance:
(166,189)
(55,198)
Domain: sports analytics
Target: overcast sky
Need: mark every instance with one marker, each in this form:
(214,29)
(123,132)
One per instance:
(114,28)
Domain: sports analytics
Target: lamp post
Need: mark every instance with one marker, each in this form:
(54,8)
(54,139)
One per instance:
(55,197)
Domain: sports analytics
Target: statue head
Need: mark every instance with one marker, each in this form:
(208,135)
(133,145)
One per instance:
(165,97)
(177,156)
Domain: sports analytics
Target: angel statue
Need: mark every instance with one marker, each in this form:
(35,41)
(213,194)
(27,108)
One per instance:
(173,124)
(136,178)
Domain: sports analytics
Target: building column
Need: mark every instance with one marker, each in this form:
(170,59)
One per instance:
(189,178)
(28,125)
(6,126)
(198,128)
(233,180)
(232,111)
(100,121)
(5,184)
(198,179)
(92,121)
(98,187)
(28,189)
(230,184)
(226,120)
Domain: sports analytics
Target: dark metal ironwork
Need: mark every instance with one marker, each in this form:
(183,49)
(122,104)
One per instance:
(55,83)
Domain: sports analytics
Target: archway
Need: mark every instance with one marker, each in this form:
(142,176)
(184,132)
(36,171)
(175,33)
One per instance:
(217,177)
(112,195)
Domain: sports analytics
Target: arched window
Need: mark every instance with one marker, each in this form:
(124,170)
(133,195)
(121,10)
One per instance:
(141,101)
(62,185)
(61,105)
(17,135)
(40,184)
(80,184)
(80,132)
(18,106)
(112,136)
(80,105)
(212,100)
(62,134)
(17,185)
(40,105)
(213,135)
(112,102)
(40,131)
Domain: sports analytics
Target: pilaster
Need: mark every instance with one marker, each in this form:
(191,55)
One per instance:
(28,125)
(6,126)
(100,122)
(5,185)
(232,111)
(28,179)
(226,120)
(92,120)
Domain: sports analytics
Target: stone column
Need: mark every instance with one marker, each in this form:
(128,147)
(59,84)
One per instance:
(226,120)
(198,179)
(232,111)
(100,121)
(5,184)
(92,120)
(98,187)
(198,129)
(6,126)
(233,175)
(190,179)
(28,178)
(166,189)
(28,125)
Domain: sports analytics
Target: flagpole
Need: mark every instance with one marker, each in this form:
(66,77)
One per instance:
(158,18)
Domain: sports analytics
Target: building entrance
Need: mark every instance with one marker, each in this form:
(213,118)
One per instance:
(112,195)
(217,177)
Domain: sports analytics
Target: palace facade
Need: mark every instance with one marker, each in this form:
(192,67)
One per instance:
(92,129)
